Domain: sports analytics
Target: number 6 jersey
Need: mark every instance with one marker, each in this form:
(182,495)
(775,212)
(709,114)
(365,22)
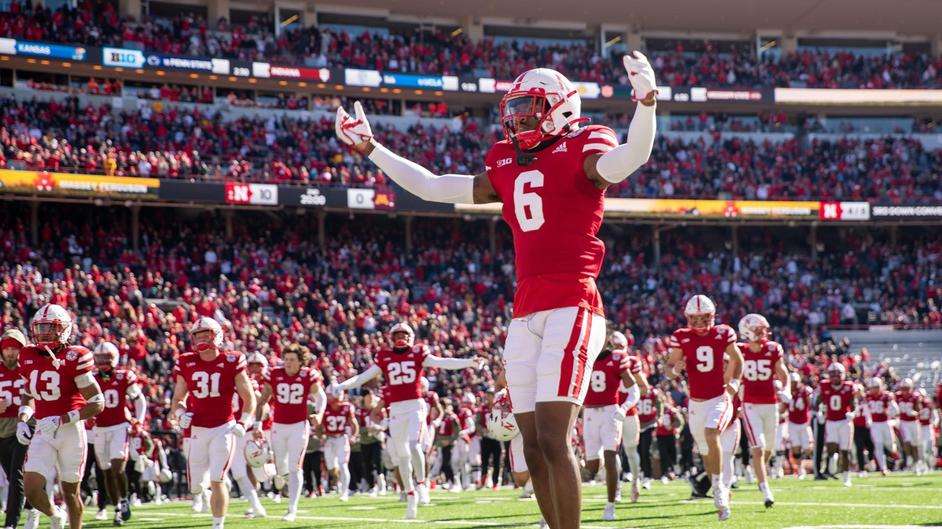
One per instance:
(211,385)
(554,212)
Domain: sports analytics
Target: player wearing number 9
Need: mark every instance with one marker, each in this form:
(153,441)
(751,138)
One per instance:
(708,353)
(211,376)
(403,367)
(550,172)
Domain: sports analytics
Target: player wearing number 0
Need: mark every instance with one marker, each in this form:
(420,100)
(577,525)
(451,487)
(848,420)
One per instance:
(839,397)
(118,386)
(288,389)
(765,383)
(550,173)
(61,393)
(403,367)
(713,363)
(603,417)
(211,376)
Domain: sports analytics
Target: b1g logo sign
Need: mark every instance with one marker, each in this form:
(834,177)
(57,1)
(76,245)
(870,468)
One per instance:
(122,57)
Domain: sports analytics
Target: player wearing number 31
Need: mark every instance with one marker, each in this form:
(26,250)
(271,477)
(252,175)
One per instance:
(402,367)
(550,173)
(61,393)
(211,376)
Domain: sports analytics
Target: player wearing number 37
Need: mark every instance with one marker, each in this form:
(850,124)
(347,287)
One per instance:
(550,172)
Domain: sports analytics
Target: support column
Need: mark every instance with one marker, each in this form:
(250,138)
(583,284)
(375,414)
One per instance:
(813,239)
(633,39)
(227,216)
(135,228)
(894,234)
(492,234)
(409,220)
(789,43)
(734,237)
(322,230)
(656,246)
(130,8)
(216,9)
(472,28)
(34,222)
(937,45)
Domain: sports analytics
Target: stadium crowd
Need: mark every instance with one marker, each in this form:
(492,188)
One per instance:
(176,142)
(97,23)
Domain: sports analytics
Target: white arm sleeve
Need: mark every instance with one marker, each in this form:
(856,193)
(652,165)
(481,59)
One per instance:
(354,382)
(140,407)
(320,401)
(84,380)
(449,188)
(448,363)
(618,163)
(634,393)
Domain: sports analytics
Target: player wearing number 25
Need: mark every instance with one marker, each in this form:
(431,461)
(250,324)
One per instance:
(550,172)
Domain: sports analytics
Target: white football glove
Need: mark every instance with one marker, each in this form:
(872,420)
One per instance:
(48,426)
(620,414)
(640,75)
(238,430)
(353,130)
(23,434)
(185,420)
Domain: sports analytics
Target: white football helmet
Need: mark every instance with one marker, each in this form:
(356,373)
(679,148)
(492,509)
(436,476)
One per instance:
(502,424)
(205,323)
(469,398)
(256,453)
(106,354)
(51,326)
(875,383)
(543,94)
(749,325)
(619,341)
(700,312)
(402,327)
(257,358)
(906,383)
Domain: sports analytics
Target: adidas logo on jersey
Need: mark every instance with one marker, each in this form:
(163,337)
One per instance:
(560,148)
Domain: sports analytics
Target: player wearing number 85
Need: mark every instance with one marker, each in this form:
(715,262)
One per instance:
(550,173)
(210,377)
(403,367)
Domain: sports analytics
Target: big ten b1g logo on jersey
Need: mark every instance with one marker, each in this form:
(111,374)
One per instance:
(757,369)
(289,393)
(402,372)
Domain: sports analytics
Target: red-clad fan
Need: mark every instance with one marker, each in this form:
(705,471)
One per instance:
(882,406)
(212,376)
(603,418)
(289,390)
(839,398)
(708,353)
(12,448)
(340,426)
(60,393)
(403,367)
(551,175)
(799,421)
(765,378)
(119,386)
(910,403)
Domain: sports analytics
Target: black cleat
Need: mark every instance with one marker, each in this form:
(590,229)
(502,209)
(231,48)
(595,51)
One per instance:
(125,510)
(769,504)
(118,519)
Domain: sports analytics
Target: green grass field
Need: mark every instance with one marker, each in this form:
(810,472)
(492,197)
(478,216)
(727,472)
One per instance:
(874,502)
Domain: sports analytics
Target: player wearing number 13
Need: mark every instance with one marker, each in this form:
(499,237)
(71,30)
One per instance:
(550,173)
(210,377)
(61,393)
(403,368)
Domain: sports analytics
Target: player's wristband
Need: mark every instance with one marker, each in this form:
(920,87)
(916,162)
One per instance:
(26,413)
(734,384)
(247,420)
(73,416)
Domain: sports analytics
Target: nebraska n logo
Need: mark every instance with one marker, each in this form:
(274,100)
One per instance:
(560,148)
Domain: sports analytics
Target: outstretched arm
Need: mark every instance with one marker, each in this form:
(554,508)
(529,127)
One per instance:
(449,188)
(450,363)
(356,381)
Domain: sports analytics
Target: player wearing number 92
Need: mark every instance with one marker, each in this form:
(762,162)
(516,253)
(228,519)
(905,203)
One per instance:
(211,376)
(550,173)
(61,393)
(403,368)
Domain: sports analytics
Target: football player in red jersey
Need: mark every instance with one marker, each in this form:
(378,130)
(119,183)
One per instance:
(257,367)
(839,397)
(293,385)
(800,401)
(602,418)
(340,426)
(60,394)
(883,407)
(550,174)
(708,353)
(402,367)
(212,376)
(909,406)
(628,403)
(12,446)
(119,386)
(765,378)
(928,418)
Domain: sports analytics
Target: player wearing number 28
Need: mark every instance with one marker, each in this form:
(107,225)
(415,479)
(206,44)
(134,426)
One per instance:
(550,172)
(211,377)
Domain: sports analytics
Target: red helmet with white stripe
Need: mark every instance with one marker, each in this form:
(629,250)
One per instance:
(51,326)
(543,99)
